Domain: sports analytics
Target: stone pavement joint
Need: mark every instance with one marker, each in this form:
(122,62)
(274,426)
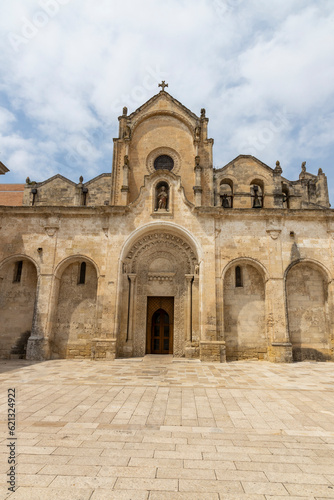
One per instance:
(161,429)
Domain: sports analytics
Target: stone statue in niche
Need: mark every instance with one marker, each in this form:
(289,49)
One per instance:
(127,132)
(197,133)
(162,198)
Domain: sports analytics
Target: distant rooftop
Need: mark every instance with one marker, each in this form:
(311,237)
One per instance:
(11,195)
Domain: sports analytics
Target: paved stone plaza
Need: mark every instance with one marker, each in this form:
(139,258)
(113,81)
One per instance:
(158,428)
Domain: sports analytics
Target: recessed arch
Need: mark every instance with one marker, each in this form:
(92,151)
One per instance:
(173,114)
(62,265)
(306,288)
(20,256)
(165,226)
(17,303)
(247,260)
(244,310)
(74,297)
(311,262)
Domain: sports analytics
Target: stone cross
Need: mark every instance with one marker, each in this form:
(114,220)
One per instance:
(163,85)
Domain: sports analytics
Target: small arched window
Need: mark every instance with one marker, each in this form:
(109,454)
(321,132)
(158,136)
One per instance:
(256,190)
(285,196)
(82,274)
(226,193)
(238,277)
(163,162)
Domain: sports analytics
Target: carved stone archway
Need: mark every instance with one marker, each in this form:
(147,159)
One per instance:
(158,264)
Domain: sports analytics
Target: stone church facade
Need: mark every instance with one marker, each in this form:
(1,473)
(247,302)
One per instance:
(167,255)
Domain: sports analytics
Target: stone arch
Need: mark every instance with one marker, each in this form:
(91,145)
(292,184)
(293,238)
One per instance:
(17,304)
(172,114)
(158,261)
(74,321)
(306,285)
(61,266)
(244,310)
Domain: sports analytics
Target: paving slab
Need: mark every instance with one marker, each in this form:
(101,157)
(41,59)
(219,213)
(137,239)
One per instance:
(158,428)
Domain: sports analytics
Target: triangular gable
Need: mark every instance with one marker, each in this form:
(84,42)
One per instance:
(156,98)
(253,158)
(96,178)
(58,176)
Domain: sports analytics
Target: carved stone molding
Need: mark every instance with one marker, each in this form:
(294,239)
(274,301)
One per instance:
(51,230)
(274,233)
(163,151)
(161,277)
(161,241)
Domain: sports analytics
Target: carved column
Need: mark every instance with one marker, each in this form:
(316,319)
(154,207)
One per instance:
(38,347)
(125,185)
(188,308)
(198,182)
(195,309)
(132,278)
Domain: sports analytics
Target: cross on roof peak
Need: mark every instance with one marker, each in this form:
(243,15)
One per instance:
(163,85)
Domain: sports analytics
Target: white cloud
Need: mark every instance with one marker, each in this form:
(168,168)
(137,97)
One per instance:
(246,62)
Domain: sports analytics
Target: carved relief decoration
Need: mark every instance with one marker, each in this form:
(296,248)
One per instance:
(166,241)
(160,262)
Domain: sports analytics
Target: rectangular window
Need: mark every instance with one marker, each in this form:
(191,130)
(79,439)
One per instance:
(82,275)
(18,271)
(238,277)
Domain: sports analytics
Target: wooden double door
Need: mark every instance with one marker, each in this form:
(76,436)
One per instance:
(160,318)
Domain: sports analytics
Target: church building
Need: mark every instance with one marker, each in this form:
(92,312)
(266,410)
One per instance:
(168,255)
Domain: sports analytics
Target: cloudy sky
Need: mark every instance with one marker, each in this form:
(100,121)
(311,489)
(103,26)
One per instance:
(263,69)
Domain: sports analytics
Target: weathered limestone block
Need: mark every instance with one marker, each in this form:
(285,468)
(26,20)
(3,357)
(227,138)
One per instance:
(213,351)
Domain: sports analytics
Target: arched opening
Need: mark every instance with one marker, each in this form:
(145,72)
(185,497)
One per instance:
(162,196)
(226,193)
(244,313)
(18,284)
(238,277)
(75,319)
(285,196)
(257,193)
(307,294)
(159,269)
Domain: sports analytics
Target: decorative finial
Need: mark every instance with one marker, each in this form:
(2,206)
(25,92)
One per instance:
(278,169)
(320,171)
(28,180)
(163,85)
(125,111)
(81,179)
(304,166)
(203,113)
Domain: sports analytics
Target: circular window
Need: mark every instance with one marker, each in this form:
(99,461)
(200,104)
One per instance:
(164,162)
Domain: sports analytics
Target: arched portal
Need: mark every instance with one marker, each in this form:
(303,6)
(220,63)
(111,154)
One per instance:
(160,267)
